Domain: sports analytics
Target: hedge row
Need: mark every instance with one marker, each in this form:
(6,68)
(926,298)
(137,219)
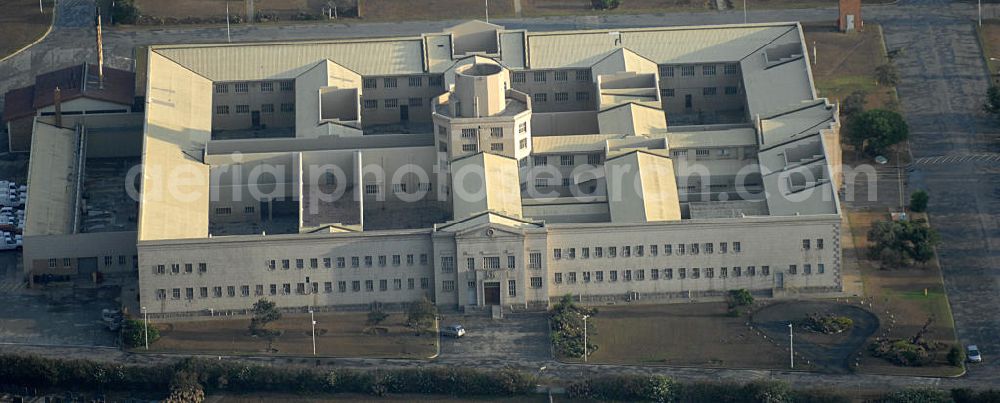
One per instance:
(656,388)
(29,370)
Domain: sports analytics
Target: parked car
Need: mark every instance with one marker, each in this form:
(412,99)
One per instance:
(455,331)
(972,353)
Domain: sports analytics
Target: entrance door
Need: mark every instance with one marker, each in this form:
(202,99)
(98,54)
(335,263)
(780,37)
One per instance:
(86,265)
(491,293)
(850,23)
(687,101)
(255,119)
(779,280)
(404,113)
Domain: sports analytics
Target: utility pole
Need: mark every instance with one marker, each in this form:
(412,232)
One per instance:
(145,326)
(585,337)
(745,11)
(488,12)
(791,351)
(40,10)
(814,53)
(229,37)
(979,7)
(312,318)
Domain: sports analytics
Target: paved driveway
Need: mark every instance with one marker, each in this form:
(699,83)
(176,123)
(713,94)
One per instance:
(944,81)
(515,338)
(68,318)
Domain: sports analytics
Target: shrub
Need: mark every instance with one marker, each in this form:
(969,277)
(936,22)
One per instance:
(828,324)
(956,356)
(376,317)
(918,396)
(605,4)
(918,201)
(655,388)
(854,103)
(768,392)
(901,352)
(964,395)
(992,105)
(887,74)
(567,328)
(134,333)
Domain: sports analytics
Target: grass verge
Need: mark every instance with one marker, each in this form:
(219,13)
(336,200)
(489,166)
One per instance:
(22,24)
(337,335)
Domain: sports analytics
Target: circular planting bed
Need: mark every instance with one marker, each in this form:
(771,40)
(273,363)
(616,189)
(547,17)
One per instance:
(827,334)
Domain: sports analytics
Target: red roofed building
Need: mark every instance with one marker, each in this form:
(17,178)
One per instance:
(81,93)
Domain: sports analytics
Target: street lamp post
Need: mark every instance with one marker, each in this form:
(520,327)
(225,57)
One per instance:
(791,349)
(312,318)
(585,337)
(145,326)
(979,8)
(745,11)
(488,11)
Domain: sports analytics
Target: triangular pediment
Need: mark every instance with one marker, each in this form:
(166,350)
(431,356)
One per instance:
(488,224)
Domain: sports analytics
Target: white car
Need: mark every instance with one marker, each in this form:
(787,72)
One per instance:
(972,353)
(455,331)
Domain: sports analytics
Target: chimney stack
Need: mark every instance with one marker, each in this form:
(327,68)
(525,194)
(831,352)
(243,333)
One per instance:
(57,104)
(100,52)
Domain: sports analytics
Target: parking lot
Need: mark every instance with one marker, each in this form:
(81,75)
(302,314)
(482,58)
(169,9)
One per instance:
(515,338)
(64,318)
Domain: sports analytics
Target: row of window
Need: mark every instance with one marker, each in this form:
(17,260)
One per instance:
(663,274)
(108,261)
(565,160)
(393,82)
(341,262)
(721,153)
(706,91)
(393,103)
(543,76)
(706,70)
(376,188)
(175,268)
(286,288)
(640,250)
(244,87)
(245,109)
(541,97)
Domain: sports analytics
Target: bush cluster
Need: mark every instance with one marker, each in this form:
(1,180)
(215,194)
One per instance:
(134,333)
(191,376)
(656,388)
(567,328)
(826,324)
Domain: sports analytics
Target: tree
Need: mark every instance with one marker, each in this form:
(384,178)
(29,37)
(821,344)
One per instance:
(264,312)
(899,242)
(918,201)
(919,396)
(134,333)
(992,105)
(421,315)
(887,74)
(738,299)
(566,319)
(877,129)
(124,12)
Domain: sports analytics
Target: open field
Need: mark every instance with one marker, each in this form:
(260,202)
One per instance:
(348,398)
(847,62)
(22,24)
(699,334)
(337,335)
(287,10)
(898,296)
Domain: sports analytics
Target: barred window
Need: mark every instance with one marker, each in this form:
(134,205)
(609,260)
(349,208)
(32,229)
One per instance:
(242,87)
(370,83)
(518,77)
(541,97)
(708,70)
(391,103)
(539,76)
(287,85)
(389,82)
(222,110)
(267,86)
(731,69)
(221,88)
(416,81)
(371,104)
(561,75)
(687,71)
(583,75)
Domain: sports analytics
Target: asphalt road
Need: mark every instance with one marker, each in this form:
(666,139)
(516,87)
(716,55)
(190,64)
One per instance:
(943,82)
